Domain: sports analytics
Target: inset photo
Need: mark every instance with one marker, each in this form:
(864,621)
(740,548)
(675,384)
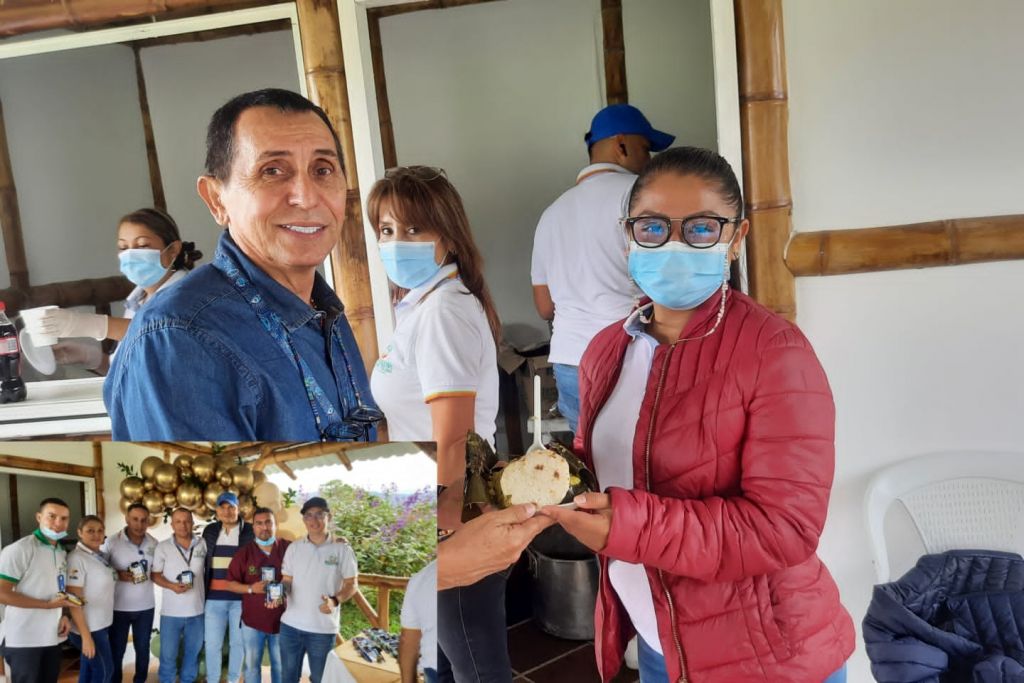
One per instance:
(194,561)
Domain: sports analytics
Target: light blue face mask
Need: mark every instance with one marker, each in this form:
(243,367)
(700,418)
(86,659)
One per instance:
(676,275)
(266,543)
(409,264)
(142,266)
(51,534)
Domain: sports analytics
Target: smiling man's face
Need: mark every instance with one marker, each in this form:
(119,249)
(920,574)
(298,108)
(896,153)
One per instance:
(284,202)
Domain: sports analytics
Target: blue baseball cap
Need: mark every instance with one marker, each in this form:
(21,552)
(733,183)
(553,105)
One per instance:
(227,497)
(625,119)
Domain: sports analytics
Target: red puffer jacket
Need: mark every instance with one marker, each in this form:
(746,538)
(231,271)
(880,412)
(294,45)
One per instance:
(732,465)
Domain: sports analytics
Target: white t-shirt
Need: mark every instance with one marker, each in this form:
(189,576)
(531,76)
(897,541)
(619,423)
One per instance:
(128,596)
(442,346)
(36,568)
(612,450)
(419,611)
(580,253)
(93,572)
(316,571)
(170,560)
(137,298)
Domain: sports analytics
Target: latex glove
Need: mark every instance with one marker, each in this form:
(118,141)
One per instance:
(87,354)
(60,322)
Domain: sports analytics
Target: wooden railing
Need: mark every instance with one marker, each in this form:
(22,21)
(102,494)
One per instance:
(379,617)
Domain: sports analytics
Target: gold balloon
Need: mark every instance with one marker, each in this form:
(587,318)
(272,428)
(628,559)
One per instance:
(234,490)
(166,477)
(190,495)
(202,468)
(210,494)
(123,505)
(241,476)
(148,485)
(149,465)
(225,479)
(154,502)
(246,507)
(268,495)
(222,464)
(132,488)
(170,500)
(183,462)
(258,478)
(154,520)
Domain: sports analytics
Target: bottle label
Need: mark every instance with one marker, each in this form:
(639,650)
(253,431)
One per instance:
(9,346)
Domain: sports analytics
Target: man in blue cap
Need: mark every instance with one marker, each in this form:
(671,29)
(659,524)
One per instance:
(579,273)
(223,610)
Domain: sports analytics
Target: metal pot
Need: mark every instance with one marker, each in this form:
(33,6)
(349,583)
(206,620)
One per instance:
(564,594)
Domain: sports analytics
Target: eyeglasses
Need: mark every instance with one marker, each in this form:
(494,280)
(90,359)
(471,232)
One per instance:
(700,232)
(423,173)
(320,516)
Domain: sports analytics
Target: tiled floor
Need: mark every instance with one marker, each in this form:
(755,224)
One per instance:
(540,658)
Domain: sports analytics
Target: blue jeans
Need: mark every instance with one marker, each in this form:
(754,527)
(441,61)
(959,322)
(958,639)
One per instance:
(100,668)
(652,666)
(567,381)
(223,615)
(141,625)
(255,640)
(294,644)
(472,639)
(172,631)
(430,676)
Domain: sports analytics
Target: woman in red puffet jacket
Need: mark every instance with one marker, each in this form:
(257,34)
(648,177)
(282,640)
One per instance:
(709,423)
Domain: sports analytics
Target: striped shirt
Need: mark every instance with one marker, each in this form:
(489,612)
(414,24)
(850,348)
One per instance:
(227,546)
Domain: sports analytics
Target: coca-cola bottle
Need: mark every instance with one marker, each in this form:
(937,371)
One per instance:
(12,388)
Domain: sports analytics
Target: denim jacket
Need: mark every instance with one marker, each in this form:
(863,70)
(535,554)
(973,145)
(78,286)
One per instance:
(198,364)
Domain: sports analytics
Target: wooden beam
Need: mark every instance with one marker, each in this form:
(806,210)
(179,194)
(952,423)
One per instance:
(15,515)
(88,292)
(614,52)
(45,466)
(215,34)
(155,181)
(366,608)
(405,8)
(387,131)
(287,470)
(919,245)
(177,447)
(325,82)
(25,16)
(10,216)
(764,116)
(97,469)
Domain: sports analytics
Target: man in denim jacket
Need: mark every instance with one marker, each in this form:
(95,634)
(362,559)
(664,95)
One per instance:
(253,346)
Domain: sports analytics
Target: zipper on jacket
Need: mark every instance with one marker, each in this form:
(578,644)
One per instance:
(647,480)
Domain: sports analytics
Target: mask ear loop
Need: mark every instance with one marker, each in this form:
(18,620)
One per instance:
(721,306)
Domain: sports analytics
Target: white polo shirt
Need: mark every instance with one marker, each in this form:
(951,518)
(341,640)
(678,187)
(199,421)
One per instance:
(35,567)
(171,560)
(128,596)
(93,573)
(419,611)
(442,346)
(316,571)
(580,254)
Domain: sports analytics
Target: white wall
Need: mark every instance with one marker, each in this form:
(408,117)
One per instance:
(501,94)
(185,85)
(905,112)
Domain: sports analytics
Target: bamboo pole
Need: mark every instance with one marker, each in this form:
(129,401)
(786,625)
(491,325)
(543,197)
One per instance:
(764,116)
(614,52)
(25,16)
(97,468)
(387,131)
(325,81)
(215,34)
(10,216)
(155,181)
(343,459)
(19,462)
(287,470)
(918,245)
(89,292)
(366,608)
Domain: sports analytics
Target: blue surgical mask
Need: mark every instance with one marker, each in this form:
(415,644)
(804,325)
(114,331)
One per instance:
(676,275)
(51,534)
(142,266)
(267,543)
(409,264)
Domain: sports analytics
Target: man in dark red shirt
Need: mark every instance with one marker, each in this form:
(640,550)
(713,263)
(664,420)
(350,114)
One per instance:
(255,572)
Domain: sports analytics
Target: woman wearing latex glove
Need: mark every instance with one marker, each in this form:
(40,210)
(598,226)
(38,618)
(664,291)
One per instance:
(152,255)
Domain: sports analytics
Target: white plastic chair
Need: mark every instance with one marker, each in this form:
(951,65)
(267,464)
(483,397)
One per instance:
(957,500)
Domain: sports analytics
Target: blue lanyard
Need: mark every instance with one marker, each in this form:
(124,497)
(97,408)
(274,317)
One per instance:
(329,423)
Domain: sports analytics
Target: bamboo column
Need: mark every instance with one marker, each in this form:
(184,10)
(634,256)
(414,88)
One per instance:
(764,116)
(97,470)
(325,81)
(10,216)
(614,52)
(155,181)
(387,131)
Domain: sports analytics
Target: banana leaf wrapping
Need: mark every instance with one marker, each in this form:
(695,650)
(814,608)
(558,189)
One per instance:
(484,469)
